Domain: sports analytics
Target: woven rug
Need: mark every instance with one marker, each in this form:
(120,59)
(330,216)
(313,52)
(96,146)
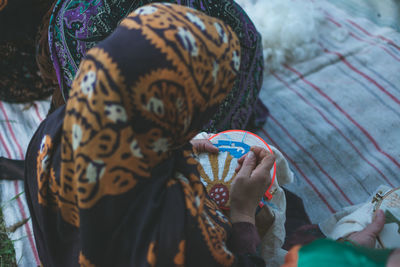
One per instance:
(336,117)
(18,123)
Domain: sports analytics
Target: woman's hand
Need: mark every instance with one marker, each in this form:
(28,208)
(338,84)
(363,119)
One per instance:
(367,237)
(203,146)
(252,179)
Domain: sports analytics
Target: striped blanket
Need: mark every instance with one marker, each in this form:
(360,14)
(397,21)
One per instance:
(381,12)
(18,123)
(336,118)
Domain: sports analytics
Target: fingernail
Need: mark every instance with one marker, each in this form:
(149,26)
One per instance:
(250,155)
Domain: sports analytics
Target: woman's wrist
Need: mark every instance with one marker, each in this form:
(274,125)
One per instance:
(242,217)
(244,238)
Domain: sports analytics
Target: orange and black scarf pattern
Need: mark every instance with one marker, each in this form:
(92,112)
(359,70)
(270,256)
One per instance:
(111,179)
(3,4)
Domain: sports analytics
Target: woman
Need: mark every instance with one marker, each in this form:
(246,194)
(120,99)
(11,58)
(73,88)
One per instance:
(111,179)
(78,25)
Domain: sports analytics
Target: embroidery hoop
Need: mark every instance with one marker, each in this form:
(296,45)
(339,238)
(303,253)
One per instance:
(386,233)
(268,194)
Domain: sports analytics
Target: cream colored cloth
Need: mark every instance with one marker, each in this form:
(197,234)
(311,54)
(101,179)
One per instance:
(351,219)
(272,242)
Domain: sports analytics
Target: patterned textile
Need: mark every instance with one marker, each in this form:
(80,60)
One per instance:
(111,179)
(78,25)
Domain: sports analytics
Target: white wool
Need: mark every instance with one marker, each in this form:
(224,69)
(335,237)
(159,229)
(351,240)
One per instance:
(289,29)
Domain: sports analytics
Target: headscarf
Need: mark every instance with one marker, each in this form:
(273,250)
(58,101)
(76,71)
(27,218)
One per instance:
(128,192)
(78,25)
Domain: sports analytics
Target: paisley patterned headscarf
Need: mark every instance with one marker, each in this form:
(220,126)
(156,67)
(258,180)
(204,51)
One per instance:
(78,25)
(128,191)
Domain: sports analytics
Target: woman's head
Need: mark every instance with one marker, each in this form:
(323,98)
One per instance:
(162,73)
(77,26)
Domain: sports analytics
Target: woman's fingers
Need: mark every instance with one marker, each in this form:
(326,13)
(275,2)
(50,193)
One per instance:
(249,164)
(203,146)
(240,161)
(367,237)
(265,164)
(262,171)
(377,224)
(250,184)
(256,149)
(260,153)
